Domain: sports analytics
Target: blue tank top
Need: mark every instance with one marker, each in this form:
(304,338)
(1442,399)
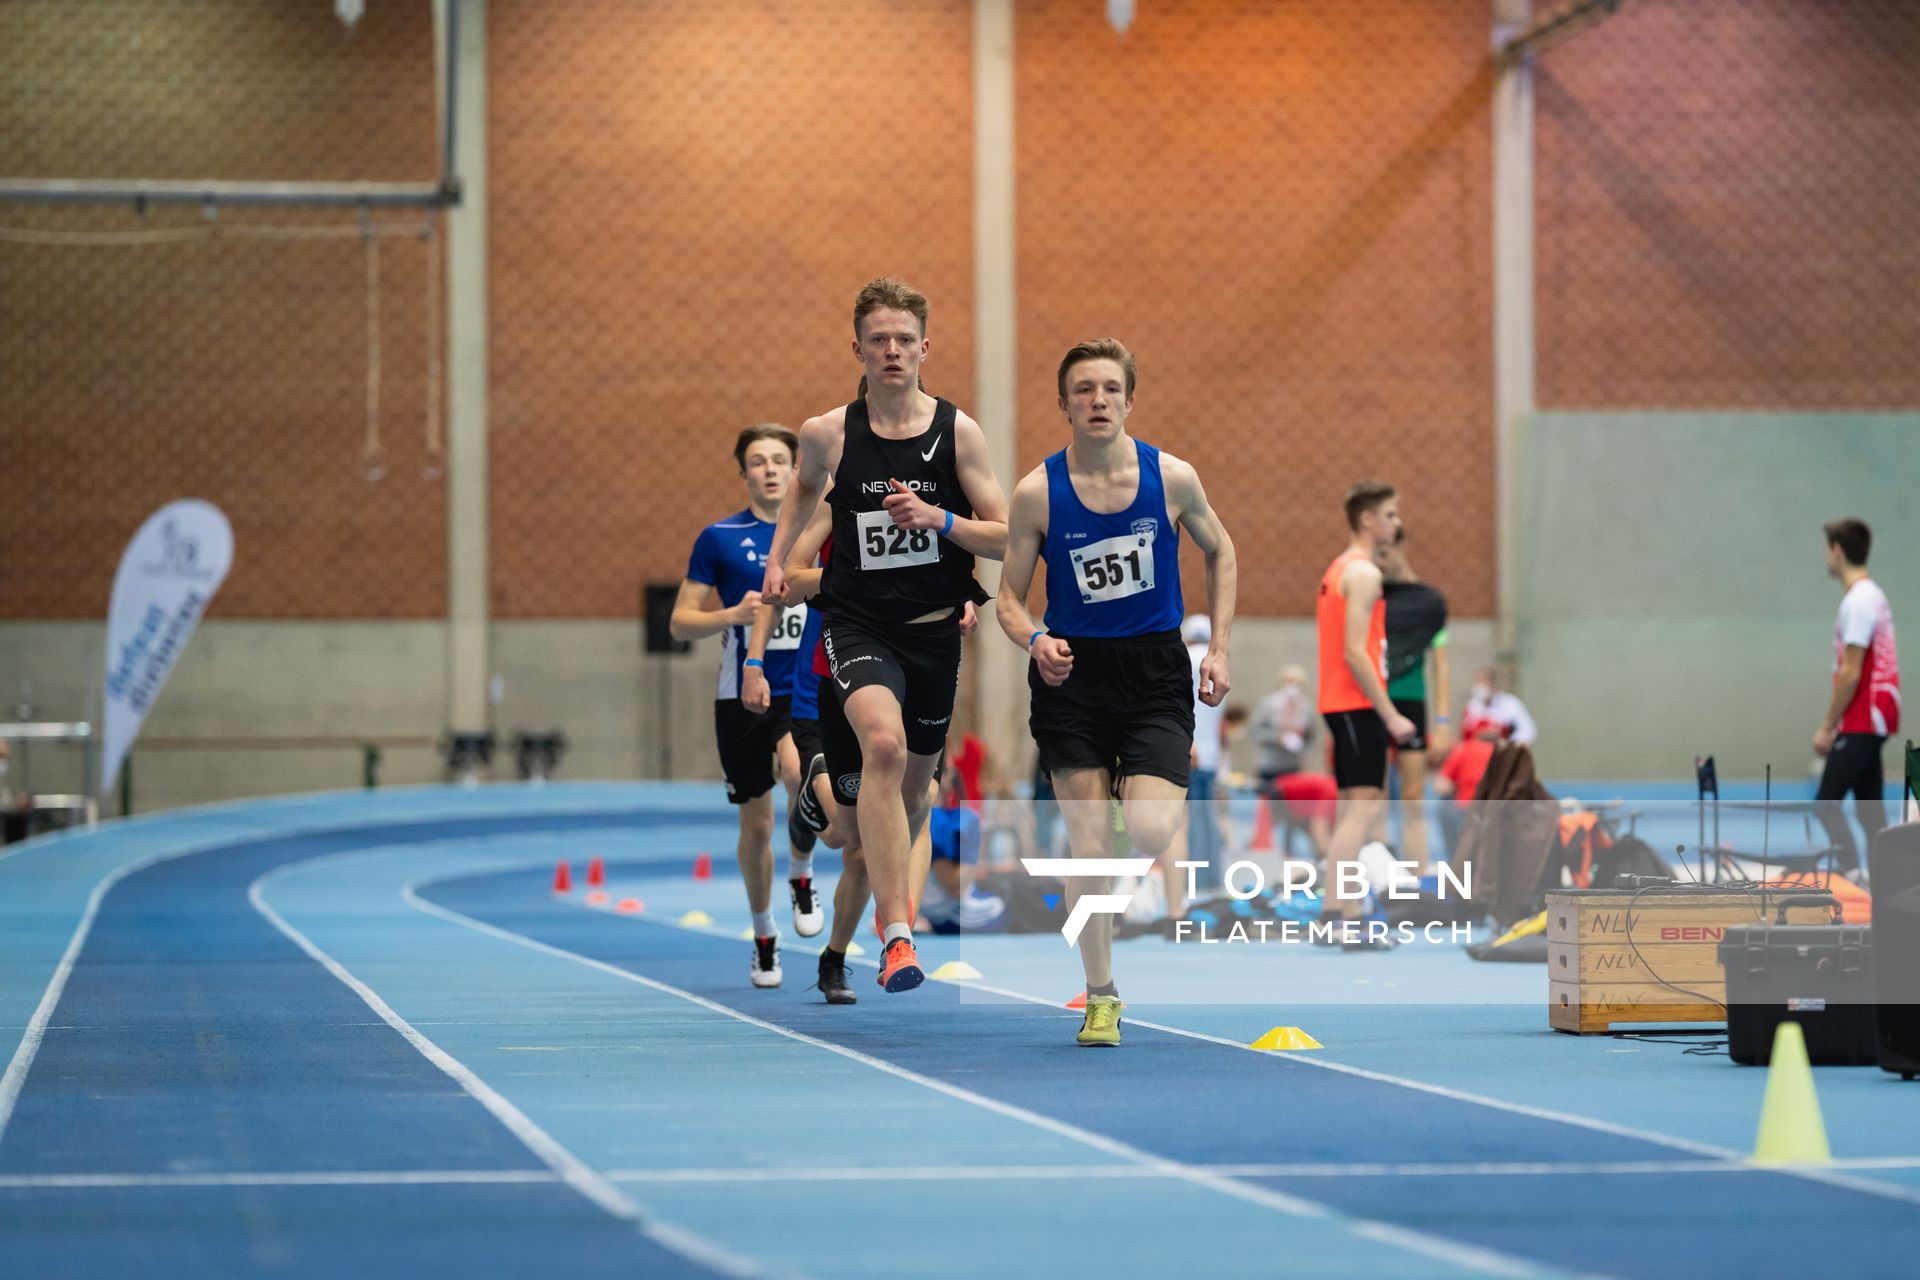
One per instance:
(1112,575)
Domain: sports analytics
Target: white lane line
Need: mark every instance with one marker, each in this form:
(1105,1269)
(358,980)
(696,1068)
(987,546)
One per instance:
(1732,1160)
(571,1169)
(1486,1261)
(15,1077)
(915,1173)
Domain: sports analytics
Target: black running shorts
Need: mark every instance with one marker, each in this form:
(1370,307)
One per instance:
(1360,745)
(746,740)
(1414,709)
(1127,707)
(842,749)
(806,741)
(919,662)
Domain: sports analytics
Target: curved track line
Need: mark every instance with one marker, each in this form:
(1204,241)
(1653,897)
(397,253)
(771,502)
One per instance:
(15,1078)
(572,1170)
(1487,1261)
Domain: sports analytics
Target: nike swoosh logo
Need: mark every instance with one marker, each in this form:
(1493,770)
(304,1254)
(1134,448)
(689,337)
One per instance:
(844,684)
(928,455)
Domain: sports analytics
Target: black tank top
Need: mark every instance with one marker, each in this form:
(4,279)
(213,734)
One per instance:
(878,571)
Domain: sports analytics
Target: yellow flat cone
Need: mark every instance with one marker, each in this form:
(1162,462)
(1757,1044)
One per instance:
(695,918)
(746,934)
(1285,1038)
(958,970)
(1791,1131)
(855,949)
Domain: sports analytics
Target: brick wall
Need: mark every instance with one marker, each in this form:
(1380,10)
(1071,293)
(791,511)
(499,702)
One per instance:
(1729,207)
(686,199)
(232,370)
(1284,211)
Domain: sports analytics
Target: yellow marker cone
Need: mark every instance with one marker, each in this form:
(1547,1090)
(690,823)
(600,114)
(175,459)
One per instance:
(956,970)
(746,934)
(855,949)
(1791,1131)
(695,918)
(1284,1039)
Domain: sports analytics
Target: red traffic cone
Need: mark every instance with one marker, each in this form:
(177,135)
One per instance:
(596,871)
(703,865)
(563,878)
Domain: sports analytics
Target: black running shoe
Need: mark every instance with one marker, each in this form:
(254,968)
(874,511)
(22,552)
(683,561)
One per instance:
(807,815)
(833,979)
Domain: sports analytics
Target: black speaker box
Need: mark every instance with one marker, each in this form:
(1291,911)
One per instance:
(656,610)
(1894,865)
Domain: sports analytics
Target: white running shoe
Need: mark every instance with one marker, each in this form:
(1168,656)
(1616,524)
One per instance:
(766,962)
(809,917)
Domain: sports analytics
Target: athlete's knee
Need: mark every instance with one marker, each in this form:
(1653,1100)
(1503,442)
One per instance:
(1152,827)
(884,752)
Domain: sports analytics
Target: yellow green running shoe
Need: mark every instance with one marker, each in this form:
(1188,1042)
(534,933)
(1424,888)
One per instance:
(1103,1021)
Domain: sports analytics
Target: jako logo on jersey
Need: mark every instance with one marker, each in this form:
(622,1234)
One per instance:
(1146,528)
(886,486)
(1088,905)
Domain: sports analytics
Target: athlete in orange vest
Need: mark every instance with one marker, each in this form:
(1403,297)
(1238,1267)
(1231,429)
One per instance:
(1361,719)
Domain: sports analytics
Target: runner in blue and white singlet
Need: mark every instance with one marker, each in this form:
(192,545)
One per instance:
(1112,683)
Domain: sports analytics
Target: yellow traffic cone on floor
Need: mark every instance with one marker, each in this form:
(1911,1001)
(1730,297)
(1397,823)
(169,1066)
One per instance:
(1791,1131)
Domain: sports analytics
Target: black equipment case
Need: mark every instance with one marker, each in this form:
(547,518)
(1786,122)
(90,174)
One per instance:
(1895,859)
(1818,975)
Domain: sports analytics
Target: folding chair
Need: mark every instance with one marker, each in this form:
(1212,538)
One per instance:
(1724,860)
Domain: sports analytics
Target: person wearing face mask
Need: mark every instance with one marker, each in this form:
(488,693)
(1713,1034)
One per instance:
(1494,712)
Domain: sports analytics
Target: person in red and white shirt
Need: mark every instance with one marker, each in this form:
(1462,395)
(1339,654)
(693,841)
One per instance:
(1864,709)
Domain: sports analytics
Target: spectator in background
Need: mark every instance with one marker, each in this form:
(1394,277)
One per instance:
(1416,634)
(1460,774)
(1493,710)
(1203,828)
(1282,725)
(950,902)
(1863,707)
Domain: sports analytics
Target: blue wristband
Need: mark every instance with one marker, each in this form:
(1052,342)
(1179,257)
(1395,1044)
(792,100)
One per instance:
(1035,636)
(755,662)
(949,529)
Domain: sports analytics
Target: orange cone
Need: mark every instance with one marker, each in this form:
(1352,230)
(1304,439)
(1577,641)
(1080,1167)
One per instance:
(1078,1002)
(596,871)
(1262,826)
(597,897)
(630,904)
(563,878)
(703,865)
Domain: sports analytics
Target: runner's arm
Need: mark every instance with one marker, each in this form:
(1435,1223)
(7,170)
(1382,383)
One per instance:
(1360,583)
(697,613)
(986,533)
(803,571)
(1026,530)
(810,476)
(1189,499)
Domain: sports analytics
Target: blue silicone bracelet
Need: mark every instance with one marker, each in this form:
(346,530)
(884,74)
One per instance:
(949,529)
(1035,636)
(755,662)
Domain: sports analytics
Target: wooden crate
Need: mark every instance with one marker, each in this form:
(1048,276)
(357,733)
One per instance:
(1608,951)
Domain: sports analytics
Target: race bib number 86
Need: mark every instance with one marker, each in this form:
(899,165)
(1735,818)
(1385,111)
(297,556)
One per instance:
(787,628)
(885,545)
(1114,568)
